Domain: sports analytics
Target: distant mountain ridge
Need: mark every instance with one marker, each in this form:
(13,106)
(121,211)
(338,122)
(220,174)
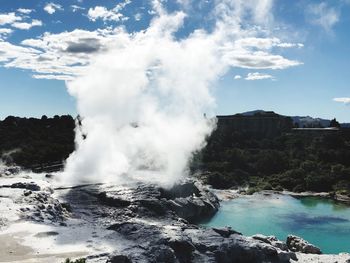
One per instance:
(301,121)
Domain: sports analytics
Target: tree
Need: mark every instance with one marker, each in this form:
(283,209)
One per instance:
(334,123)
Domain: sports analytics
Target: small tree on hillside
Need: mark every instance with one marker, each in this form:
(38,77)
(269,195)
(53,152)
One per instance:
(334,123)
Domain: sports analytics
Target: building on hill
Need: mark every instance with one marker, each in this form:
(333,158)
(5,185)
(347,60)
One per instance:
(266,123)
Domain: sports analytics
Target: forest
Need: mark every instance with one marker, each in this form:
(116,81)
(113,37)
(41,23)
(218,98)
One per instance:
(28,142)
(294,160)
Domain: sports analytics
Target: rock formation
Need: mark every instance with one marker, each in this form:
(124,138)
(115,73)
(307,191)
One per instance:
(297,244)
(142,223)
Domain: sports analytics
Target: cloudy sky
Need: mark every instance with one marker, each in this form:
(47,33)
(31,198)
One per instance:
(292,57)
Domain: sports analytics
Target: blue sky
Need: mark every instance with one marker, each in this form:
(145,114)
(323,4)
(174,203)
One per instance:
(44,43)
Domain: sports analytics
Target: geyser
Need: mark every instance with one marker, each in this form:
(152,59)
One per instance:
(142,100)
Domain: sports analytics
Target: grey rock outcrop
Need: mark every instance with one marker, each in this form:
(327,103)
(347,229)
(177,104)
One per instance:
(297,244)
(271,240)
(143,223)
(156,225)
(29,186)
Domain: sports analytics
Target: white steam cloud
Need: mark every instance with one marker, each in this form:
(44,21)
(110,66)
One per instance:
(142,101)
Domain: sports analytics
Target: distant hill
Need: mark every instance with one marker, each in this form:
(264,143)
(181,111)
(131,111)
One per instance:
(301,121)
(252,113)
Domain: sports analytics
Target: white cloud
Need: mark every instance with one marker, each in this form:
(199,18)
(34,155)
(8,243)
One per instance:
(258,76)
(250,11)
(69,53)
(25,11)
(9,18)
(343,100)
(53,76)
(75,8)
(51,8)
(58,56)
(256,53)
(237,77)
(257,59)
(262,10)
(122,5)
(26,26)
(290,45)
(16,21)
(138,17)
(4,32)
(323,15)
(101,12)
(11,52)
(265,43)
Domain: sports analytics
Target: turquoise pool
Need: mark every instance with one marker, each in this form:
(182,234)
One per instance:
(322,222)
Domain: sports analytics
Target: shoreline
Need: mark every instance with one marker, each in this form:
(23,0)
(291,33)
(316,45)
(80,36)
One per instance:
(33,242)
(229,194)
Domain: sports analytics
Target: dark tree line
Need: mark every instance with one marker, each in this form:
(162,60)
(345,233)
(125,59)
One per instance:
(29,141)
(294,160)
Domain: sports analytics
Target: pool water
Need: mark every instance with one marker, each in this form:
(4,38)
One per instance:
(322,222)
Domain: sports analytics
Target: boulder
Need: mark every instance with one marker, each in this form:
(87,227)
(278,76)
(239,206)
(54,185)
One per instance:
(183,249)
(271,240)
(163,253)
(297,244)
(192,202)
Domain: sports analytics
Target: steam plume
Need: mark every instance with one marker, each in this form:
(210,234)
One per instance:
(143,100)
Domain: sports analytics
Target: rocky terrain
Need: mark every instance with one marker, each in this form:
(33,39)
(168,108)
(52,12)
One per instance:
(41,222)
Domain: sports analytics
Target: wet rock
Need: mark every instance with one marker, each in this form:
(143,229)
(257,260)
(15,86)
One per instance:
(297,244)
(67,206)
(180,190)
(112,200)
(161,229)
(226,231)
(9,170)
(27,192)
(154,205)
(183,249)
(192,202)
(193,209)
(236,248)
(46,234)
(187,200)
(28,186)
(49,176)
(163,253)
(153,225)
(119,259)
(271,240)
